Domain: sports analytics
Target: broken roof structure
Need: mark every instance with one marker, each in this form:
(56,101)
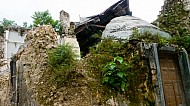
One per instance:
(96,24)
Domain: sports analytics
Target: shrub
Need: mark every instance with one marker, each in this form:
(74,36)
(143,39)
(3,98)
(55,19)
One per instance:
(61,61)
(61,56)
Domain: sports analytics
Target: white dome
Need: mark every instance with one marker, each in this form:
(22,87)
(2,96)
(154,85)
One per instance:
(123,27)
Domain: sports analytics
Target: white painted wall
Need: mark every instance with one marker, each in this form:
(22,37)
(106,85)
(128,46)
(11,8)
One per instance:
(59,40)
(13,40)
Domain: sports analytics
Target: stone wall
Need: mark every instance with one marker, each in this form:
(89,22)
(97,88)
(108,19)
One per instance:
(65,21)
(4,88)
(4,76)
(168,4)
(32,62)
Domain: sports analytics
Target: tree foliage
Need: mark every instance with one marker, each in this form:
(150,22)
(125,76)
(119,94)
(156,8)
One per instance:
(45,18)
(42,18)
(7,22)
(25,24)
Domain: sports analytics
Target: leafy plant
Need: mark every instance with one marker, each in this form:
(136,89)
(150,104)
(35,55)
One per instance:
(115,74)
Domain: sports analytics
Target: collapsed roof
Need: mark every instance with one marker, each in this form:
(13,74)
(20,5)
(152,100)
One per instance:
(87,29)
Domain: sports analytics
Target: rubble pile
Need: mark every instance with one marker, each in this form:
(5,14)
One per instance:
(4,76)
(4,88)
(33,59)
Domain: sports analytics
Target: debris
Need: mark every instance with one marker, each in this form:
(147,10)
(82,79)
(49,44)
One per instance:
(33,59)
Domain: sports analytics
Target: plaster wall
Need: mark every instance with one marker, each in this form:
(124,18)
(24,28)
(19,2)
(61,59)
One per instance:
(13,40)
(73,42)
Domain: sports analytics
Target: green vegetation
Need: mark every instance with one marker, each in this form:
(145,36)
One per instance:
(45,18)
(42,18)
(175,20)
(111,69)
(183,41)
(61,61)
(115,74)
(120,68)
(151,38)
(6,23)
(39,18)
(25,25)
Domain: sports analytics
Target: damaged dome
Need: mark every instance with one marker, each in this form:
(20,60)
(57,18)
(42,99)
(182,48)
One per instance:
(122,28)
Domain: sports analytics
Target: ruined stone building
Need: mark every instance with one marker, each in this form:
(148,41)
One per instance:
(169,3)
(68,36)
(10,41)
(168,65)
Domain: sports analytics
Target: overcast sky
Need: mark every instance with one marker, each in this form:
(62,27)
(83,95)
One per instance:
(22,10)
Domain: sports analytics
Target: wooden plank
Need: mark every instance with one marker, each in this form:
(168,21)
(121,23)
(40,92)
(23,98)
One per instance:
(171,80)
